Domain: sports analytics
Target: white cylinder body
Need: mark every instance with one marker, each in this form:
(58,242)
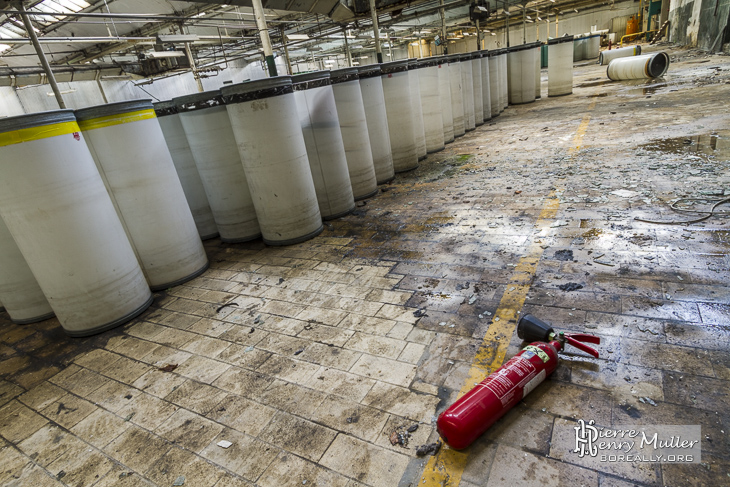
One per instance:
(476,71)
(354,129)
(521,73)
(537,52)
(433,125)
(467,87)
(503,79)
(560,66)
(400,115)
(447,115)
(638,67)
(129,149)
(606,57)
(419,131)
(20,293)
(213,145)
(593,46)
(578,49)
(54,203)
(486,89)
(494,93)
(457,95)
(371,87)
(325,149)
(274,155)
(187,172)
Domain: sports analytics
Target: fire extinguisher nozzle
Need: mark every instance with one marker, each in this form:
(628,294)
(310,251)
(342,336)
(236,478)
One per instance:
(532,329)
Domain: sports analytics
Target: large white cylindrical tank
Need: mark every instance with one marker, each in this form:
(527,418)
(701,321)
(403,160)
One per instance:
(396,90)
(503,86)
(447,115)
(476,71)
(607,56)
(177,143)
(486,89)
(213,145)
(322,137)
(593,46)
(19,291)
(271,144)
(579,49)
(428,75)
(638,67)
(419,131)
(467,87)
(521,74)
(560,66)
(457,95)
(130,152)
(57,208)
(537,48)
(371,87)
(494,93)
(354,128)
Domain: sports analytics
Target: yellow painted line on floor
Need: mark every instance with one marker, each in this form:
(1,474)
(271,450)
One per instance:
(446,468)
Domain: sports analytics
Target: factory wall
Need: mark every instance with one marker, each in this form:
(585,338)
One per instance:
(699,23)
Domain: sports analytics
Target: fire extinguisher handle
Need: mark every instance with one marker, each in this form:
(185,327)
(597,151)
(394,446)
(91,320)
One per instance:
(580,346)
(584,337)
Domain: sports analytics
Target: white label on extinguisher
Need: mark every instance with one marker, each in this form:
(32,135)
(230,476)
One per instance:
(507,381)
(536,381)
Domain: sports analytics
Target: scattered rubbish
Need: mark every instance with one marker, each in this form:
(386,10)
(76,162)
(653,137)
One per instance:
(60,475)
(248,349)
(419,313)
(625,193)
(472,299)
(360,204)
(413,428)
(442,323)
(559,223)
(129,416)
(352,419)
(224,444)
(168,368)
(251,330)
(645,330)
(125,475)
(299,351)
(673,206)
(518,192)
(430,449)
(179,481)
(281,279)
(603,262)
(400,436)
(647,400)
(460,286)
(225,306)
(570,286)
(257,320)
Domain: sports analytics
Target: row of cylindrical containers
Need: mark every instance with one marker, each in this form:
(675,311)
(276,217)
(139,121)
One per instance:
(93,213)
(586,46)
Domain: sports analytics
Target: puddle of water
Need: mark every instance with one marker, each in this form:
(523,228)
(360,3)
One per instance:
(709,144)
(594,83)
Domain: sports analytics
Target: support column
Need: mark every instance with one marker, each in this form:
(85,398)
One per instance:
(347,48)
(258,10)
(286,50)
(443,27)
(376,31)
(41,55)
(479,37)
(193,67)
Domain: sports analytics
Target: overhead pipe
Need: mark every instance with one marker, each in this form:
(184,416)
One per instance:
(41,55)
(638,67)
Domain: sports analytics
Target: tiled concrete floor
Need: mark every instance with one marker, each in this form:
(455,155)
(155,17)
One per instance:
(327,349)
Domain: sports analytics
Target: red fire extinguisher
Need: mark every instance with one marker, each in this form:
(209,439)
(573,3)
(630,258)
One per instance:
(480,408)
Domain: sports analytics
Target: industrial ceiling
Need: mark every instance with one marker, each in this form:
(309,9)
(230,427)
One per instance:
(127,34)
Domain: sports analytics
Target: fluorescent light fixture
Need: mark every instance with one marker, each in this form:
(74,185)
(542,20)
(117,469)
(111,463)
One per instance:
(528,17)
(4,47)
(576,10)
(355,63)
(539,18)
(64,92)
(165,54)
(297,37)
(494,33)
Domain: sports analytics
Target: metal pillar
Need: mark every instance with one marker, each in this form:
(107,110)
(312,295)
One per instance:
(286,50)
(258,10)
(347,48)
(524,26)
(193,68)
(41,55)
(376,31)
(443,27)
(479,37)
